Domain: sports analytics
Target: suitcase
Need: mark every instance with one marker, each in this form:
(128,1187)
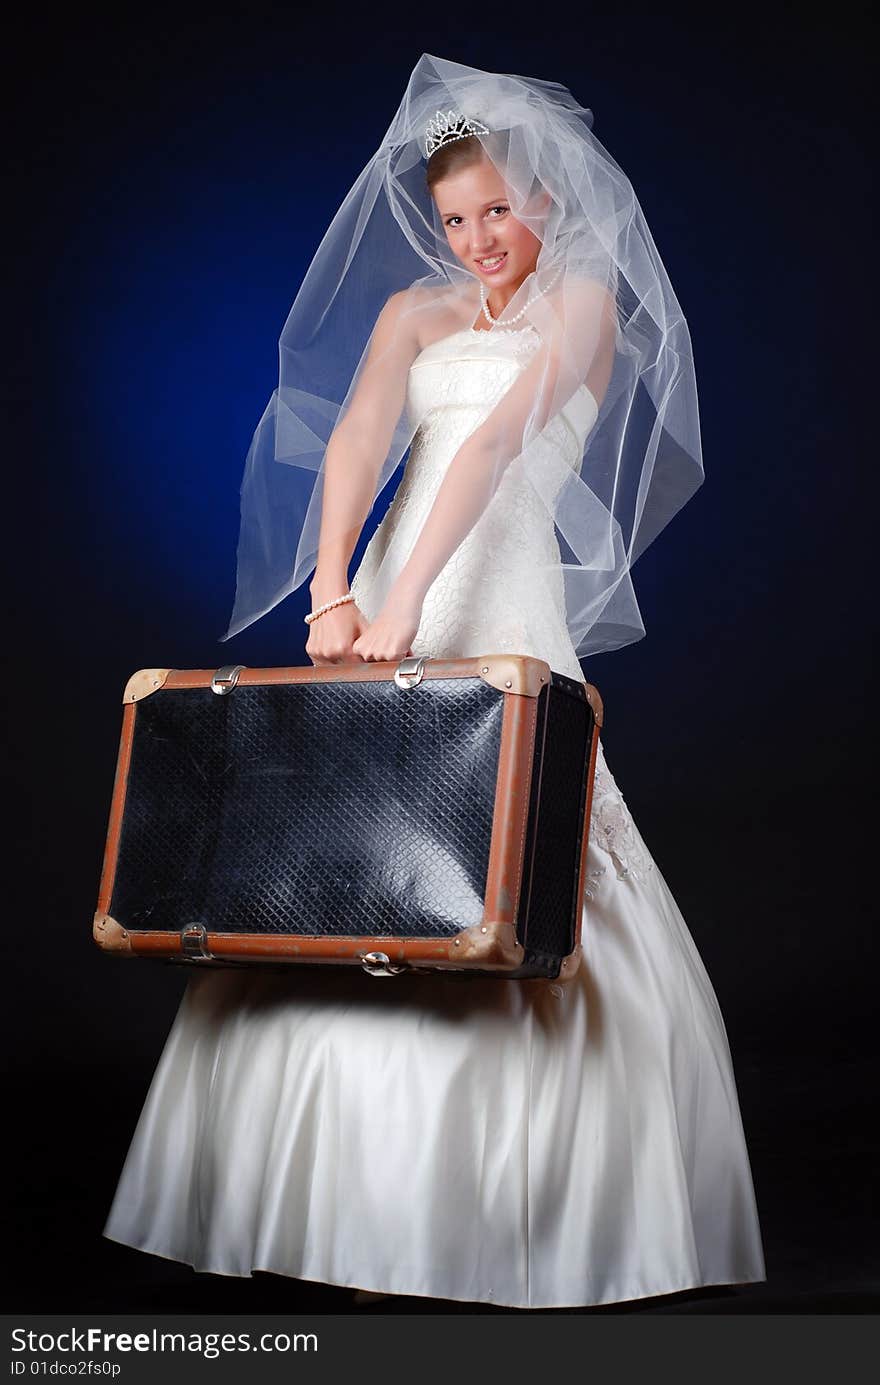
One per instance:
(426,815)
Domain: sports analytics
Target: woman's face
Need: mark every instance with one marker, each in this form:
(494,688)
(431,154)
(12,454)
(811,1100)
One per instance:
(481,229)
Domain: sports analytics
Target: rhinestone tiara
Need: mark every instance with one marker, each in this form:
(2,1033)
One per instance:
(447,126)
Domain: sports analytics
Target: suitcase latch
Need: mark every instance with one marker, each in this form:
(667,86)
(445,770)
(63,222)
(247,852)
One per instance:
(410,671)
(380,964)
(194,941)
(225,678)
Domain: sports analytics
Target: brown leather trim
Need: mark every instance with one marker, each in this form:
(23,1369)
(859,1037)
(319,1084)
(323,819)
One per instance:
(595,702)
(110,935)
(515,673)
(485,946)
(117,806)
(373,672)
(144,682)
(570,964)
(515,756)
(489,944)
(524,671)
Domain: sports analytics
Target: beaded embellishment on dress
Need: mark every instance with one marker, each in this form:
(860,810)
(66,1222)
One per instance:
(612,827)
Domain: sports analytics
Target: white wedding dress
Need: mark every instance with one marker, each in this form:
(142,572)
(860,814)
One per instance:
(528,1143)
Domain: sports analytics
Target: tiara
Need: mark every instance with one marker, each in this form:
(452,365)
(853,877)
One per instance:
(447,126)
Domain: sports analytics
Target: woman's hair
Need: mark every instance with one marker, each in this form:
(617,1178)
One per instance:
(449,158)
(468,151)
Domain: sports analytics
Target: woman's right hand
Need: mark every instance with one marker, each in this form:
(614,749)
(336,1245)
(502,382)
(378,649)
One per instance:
(332,635)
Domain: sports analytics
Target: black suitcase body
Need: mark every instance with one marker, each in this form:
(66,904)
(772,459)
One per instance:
(431,815)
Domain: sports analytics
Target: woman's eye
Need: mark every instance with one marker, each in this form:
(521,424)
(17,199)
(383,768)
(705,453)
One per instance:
(455,221)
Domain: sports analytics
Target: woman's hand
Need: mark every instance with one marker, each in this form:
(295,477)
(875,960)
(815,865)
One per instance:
(391,634)
(333,634)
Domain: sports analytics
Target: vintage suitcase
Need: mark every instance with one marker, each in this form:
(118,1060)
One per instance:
(430,814)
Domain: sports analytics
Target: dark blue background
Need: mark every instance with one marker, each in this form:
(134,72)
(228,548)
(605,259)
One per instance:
(173,174)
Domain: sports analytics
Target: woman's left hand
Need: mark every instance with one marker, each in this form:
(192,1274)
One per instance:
(390,635)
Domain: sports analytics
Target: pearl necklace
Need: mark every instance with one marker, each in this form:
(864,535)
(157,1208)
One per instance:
(493,322)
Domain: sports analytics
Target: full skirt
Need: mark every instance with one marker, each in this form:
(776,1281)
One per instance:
(527,1143)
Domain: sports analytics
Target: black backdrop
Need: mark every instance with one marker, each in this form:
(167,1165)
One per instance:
(171,174)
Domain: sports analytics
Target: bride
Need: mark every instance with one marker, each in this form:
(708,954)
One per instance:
(521,1143)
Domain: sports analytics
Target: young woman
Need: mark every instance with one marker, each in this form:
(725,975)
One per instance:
(531,1144)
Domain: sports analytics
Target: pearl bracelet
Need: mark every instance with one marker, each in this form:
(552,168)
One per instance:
(328,606)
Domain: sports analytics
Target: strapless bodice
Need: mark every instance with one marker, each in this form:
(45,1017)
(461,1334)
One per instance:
(502,590)
(466,373)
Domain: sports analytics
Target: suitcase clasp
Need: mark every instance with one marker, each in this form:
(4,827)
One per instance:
(410,671)
(194,941)
(225,678)
(380,964)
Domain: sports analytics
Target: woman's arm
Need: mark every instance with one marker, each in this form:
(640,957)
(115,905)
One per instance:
(359,445)
(355,453)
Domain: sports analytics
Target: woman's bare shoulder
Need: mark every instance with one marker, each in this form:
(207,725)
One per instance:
(421,310)
(412,301)
(418,294)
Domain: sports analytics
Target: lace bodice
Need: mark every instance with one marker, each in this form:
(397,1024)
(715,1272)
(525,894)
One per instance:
(502,589)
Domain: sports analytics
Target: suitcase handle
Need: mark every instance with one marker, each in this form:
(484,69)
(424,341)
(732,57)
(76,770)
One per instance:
(408,674)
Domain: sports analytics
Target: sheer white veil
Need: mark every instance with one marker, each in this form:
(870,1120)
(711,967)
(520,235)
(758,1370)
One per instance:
(386,253)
